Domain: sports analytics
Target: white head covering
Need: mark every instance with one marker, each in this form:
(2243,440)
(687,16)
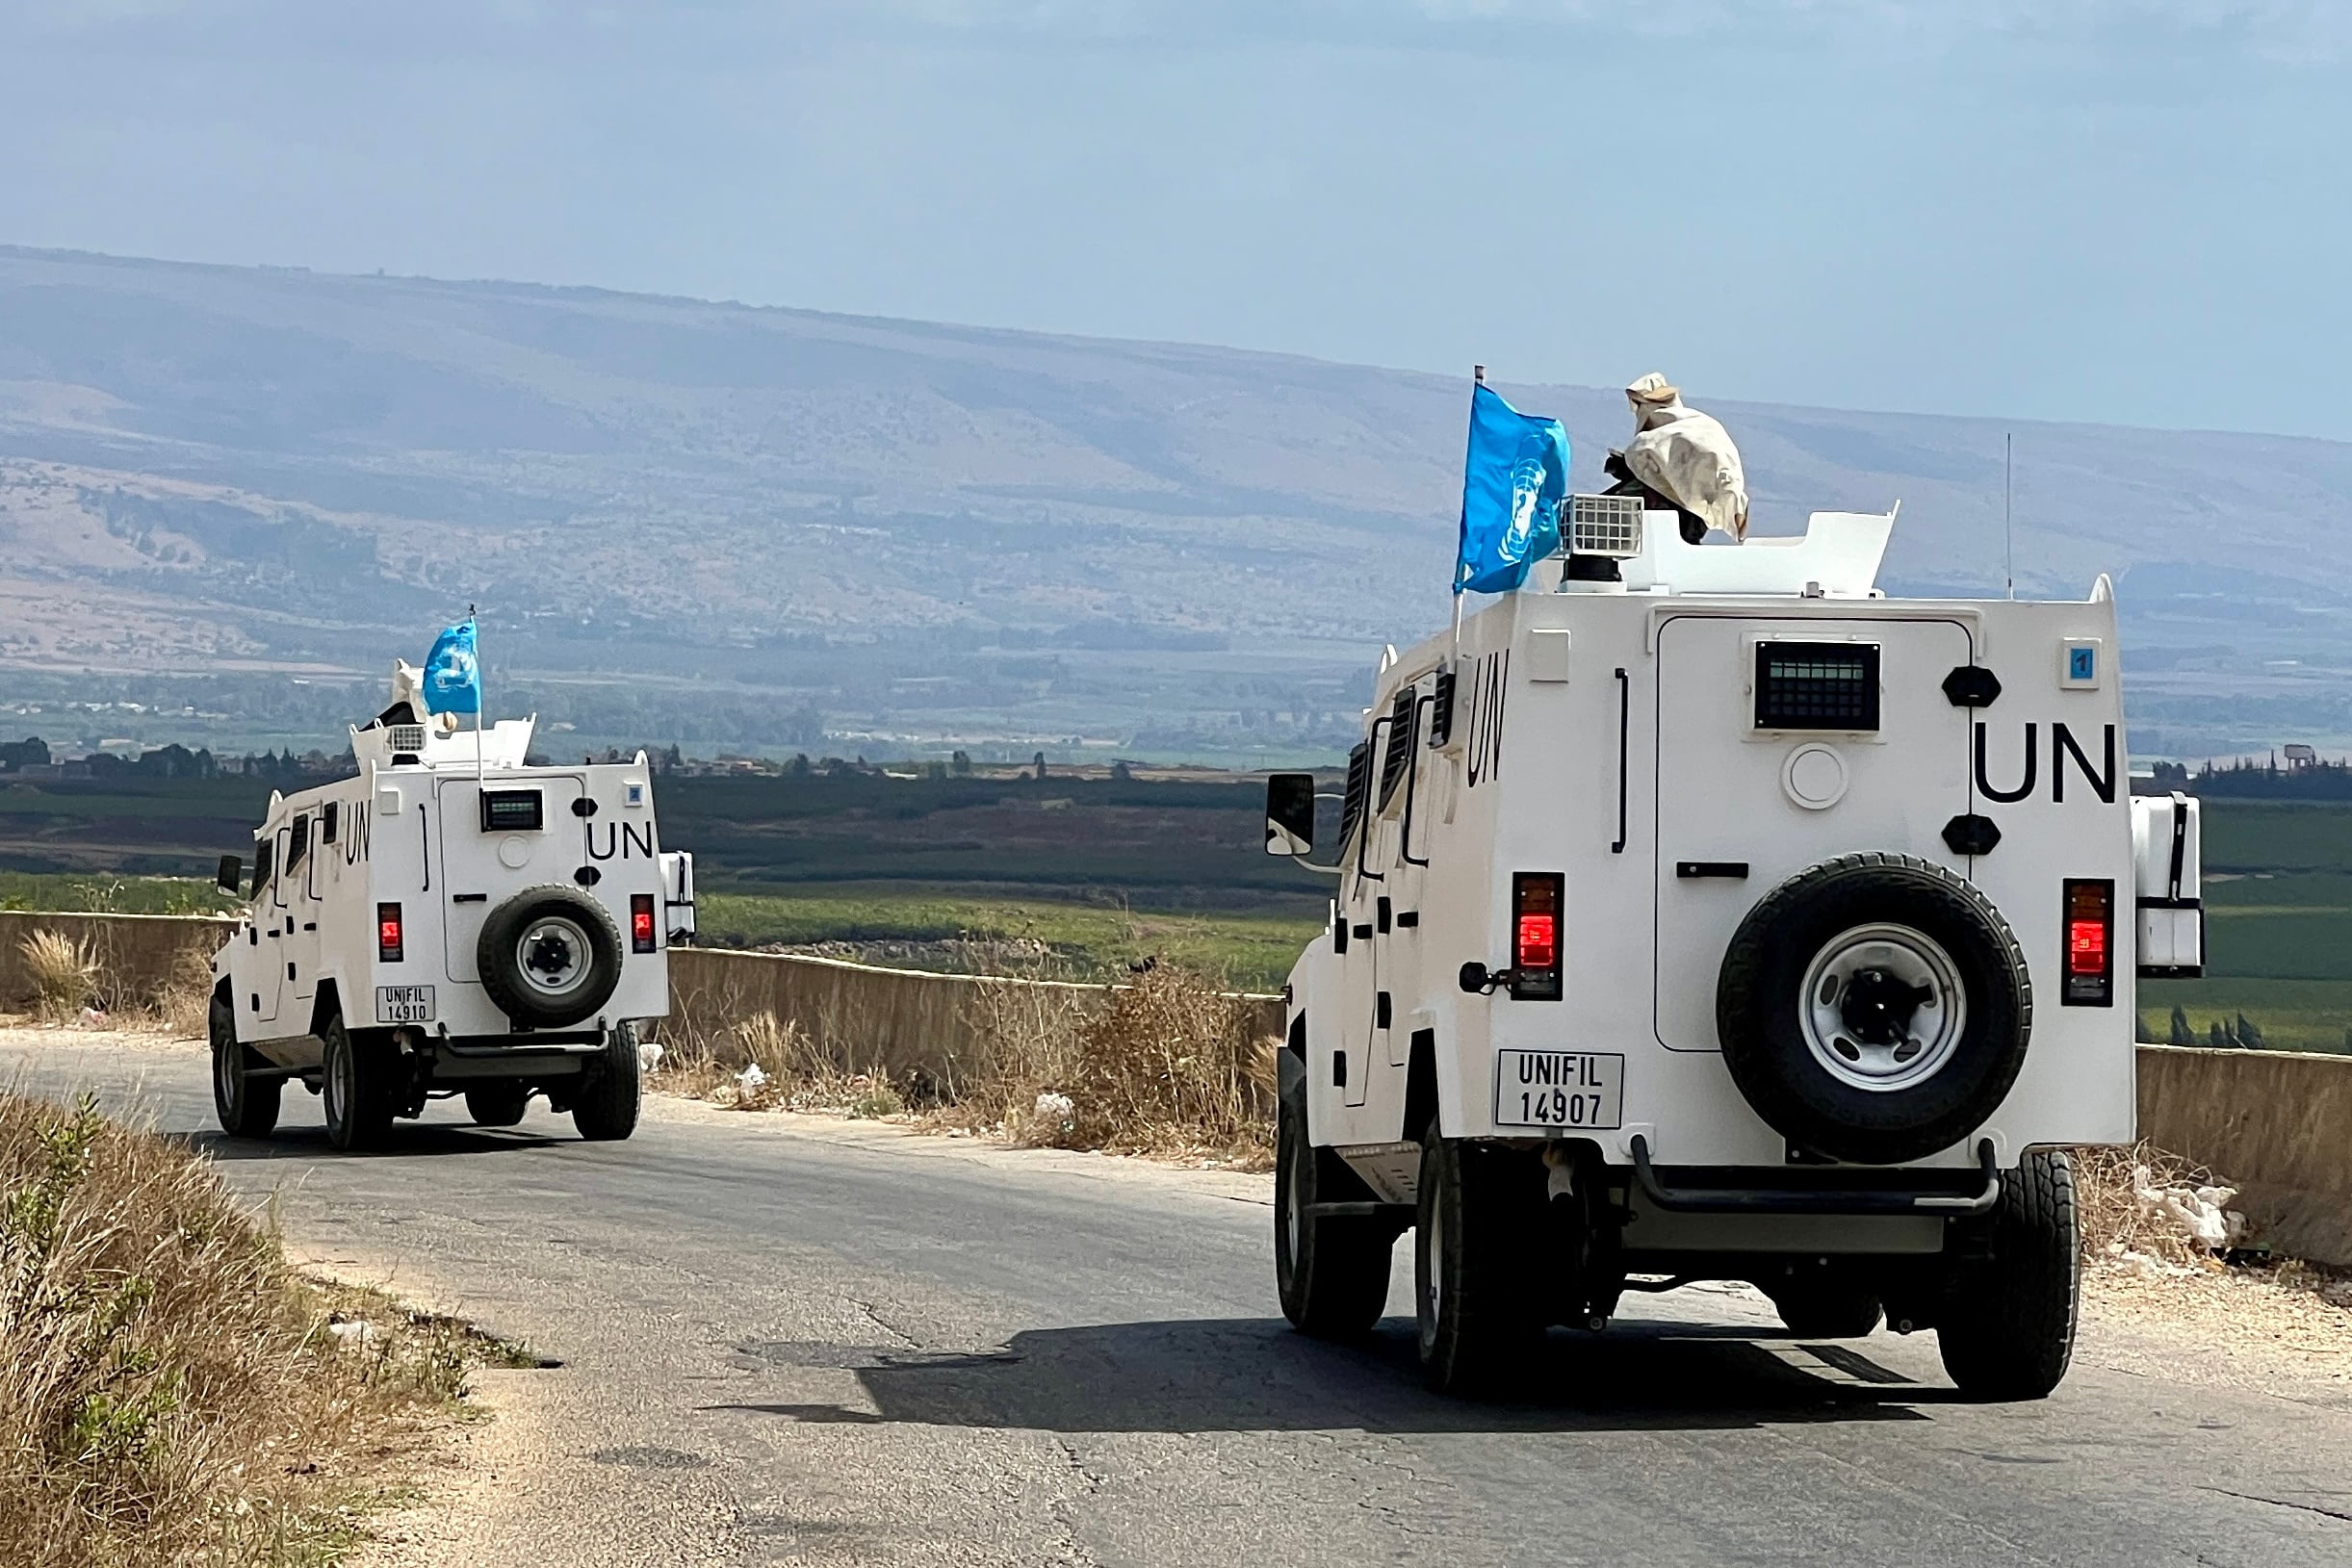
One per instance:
(1686,456)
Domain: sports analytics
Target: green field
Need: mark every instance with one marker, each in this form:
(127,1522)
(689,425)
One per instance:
(2277,897)
(964,930)
(1001,933)
(112,895)
(2293,1015)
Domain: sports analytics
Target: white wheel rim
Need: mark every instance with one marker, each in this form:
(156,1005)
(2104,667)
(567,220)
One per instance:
(1882,1008)
(552,954)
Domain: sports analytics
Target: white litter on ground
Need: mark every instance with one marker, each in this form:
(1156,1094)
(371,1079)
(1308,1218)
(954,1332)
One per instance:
(751,1080)
(649,1055)
(2200,1214)
(1057,1111)
(353,1332)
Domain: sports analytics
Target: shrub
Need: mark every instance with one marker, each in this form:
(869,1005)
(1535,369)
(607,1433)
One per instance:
(64,973)
(1165,1064)
(169,1390)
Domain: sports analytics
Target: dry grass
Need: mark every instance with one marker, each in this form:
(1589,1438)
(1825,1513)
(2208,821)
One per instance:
(2114,1220)
(794,1071)
(92,978)
(170,1390)
(65,975)
(2126,1244)
(182,1007)
(1166,1064)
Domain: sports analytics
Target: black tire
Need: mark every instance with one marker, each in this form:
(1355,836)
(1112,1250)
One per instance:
(549,957)
(1477,1281)
(498,1104)
(1331,1271)
(361,1077)
(605,1108)
(2008,1328)
(1762,1009)
(1822,1309)
(247,1107)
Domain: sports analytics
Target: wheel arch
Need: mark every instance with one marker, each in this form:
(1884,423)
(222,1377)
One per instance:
(326,1003)
(1420,1083)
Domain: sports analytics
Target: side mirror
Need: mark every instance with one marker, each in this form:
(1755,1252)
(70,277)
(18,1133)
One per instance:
(230,878)
(1290,813)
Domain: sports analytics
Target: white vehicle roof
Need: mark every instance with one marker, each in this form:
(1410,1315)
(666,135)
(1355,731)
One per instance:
(502,745)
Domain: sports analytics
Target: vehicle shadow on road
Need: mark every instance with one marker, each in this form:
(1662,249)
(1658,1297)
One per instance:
(1256,1374)
(425,1140)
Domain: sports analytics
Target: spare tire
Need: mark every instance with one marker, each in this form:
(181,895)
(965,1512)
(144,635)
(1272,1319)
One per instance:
(549,957)
(1874,1009)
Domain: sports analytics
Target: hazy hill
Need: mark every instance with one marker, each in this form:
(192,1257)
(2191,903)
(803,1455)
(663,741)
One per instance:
(915,534)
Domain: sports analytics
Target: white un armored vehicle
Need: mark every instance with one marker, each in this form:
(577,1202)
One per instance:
(1705,914)
(450,920)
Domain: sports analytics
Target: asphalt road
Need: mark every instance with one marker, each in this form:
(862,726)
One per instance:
(817,1343)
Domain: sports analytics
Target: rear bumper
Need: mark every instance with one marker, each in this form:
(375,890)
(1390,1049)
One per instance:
(1834,1191)
(548,1054)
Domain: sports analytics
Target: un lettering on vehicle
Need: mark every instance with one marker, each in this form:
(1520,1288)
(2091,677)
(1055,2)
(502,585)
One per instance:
(1572,1091)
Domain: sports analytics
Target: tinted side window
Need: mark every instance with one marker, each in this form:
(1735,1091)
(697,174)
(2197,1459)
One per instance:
(297,843)
(1397,760)
(264,859)
(1359,786)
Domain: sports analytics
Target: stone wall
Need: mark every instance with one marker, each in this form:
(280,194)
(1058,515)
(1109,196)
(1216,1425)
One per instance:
(2278,1124)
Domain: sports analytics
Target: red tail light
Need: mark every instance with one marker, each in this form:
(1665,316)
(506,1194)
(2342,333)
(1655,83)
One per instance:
(1538,941)
(1536,898)
(2086,947)
(641,922)
(2090,931)
(390,946)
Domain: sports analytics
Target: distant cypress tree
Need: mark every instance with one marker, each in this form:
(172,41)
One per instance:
(2248,1035)
(2181,1033)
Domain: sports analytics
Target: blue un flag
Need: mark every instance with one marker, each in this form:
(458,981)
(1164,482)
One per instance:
(1512,483)
(453,672)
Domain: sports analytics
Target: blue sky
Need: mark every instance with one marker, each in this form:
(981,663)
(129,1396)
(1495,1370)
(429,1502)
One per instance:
(2127,211)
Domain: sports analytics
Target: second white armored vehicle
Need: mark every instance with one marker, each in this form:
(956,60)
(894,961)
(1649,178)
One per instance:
(449,921)
(1705,914)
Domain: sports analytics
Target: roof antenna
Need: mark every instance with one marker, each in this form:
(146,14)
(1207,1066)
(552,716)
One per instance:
(1477,374)
(2009,540)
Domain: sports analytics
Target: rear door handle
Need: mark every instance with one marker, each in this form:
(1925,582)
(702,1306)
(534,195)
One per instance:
(1734,869)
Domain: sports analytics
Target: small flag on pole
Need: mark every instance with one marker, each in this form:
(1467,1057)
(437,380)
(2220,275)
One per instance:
(453,672)
(1512,483)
